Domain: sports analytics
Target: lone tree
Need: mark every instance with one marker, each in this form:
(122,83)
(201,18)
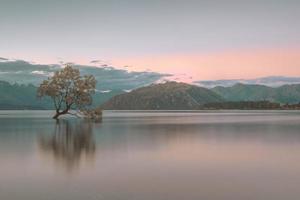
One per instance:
(70,91)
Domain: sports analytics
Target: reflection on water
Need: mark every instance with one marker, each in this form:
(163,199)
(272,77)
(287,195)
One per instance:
(70,142)
(151,155)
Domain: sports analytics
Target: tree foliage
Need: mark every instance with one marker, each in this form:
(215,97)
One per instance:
(69,90)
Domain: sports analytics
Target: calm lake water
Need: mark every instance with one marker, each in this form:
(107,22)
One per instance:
(228,155)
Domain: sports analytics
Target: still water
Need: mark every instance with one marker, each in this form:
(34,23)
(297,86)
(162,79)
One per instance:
(228,155)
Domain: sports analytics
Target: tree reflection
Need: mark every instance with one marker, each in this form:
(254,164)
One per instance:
(70,143)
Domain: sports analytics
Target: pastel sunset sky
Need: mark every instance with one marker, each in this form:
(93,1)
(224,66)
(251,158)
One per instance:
(199,40)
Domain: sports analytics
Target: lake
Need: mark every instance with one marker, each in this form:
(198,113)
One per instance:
(212,155)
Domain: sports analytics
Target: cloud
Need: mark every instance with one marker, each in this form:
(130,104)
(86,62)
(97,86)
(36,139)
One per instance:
(95,61)
(43,73)
(103,91)
(100,63)
(108,78)
(6,60)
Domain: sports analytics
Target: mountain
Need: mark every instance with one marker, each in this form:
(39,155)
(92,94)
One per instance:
(15,96)
(21,96)
(241,92)
(165,96)
(271,81)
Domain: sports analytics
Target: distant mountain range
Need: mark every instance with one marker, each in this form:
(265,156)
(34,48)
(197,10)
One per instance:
(242,92)
(121,89)
(181,96)
(271,81)
(166,96)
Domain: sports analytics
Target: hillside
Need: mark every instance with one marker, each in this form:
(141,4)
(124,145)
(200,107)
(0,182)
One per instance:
(167,96)
(15,96)
(242,92)
(21,96)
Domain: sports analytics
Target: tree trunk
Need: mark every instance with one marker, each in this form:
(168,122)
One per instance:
(56,115)
(60,113)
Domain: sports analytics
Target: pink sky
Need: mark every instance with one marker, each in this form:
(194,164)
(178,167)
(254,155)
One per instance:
(235,64)
(202,39)
(222,65)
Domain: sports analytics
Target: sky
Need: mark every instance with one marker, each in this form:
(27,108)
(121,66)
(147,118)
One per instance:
(197,40)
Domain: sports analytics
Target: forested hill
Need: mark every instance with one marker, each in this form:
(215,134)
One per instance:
(167,96)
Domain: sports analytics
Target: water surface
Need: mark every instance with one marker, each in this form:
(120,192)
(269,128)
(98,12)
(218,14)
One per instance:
(223,155)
